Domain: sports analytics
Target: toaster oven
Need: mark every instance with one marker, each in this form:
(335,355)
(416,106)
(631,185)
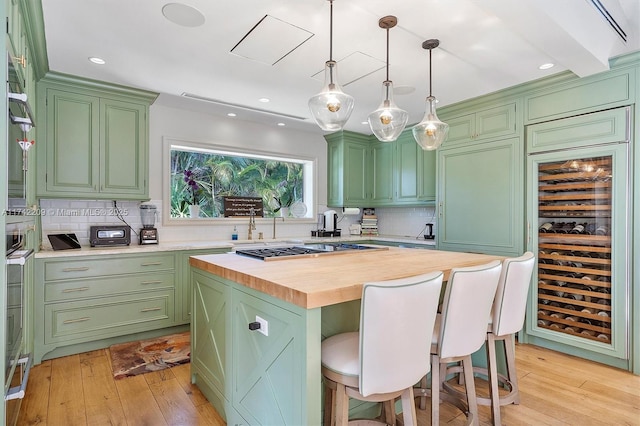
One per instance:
(109,235)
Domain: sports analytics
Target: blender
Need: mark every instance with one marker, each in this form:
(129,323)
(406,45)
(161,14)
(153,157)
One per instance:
(148,233)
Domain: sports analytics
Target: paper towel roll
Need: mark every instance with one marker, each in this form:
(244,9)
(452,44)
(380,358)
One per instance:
(350,211)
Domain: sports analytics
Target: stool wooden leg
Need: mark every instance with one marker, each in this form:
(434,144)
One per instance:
(409,415)
(423,399)
(435,390)
(492,368)
(470,386)
(329,404)
(509,346)
(342,405)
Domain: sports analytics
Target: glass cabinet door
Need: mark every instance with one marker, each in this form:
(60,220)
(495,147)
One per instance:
(579,223)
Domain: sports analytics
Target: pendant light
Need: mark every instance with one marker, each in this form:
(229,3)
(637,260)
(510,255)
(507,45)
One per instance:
(430,132)
(388,121)
(331,107)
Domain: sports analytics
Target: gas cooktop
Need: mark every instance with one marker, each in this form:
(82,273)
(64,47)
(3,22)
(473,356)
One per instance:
(307,250)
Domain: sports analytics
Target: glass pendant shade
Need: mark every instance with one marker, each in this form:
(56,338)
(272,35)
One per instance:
(331,108)
(430,132)
(388,121)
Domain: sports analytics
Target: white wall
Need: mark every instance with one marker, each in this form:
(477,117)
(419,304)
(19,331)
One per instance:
(179,124)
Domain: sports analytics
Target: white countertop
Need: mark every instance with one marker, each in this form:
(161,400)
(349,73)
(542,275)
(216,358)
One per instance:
(198,245)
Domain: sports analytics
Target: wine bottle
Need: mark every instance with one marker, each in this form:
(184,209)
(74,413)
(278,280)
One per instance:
(578,229)
(602,230)
(546,227)
(559,228)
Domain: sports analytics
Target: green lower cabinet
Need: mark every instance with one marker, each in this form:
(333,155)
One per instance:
(250,377)
(184,272)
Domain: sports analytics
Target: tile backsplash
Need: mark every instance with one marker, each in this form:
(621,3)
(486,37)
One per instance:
(64,216)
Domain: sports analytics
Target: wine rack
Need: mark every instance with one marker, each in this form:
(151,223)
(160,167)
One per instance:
(574,243)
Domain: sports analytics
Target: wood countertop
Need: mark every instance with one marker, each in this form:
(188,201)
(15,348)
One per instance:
(312,282)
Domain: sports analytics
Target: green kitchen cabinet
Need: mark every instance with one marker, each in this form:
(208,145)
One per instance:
(414,173)
(80,300)
(489,122)
(248,376)
(95,140)
(184,271)
(347,174)
(381,189)
(481,197)
(364,172)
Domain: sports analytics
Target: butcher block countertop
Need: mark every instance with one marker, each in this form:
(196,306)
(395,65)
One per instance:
(312,282)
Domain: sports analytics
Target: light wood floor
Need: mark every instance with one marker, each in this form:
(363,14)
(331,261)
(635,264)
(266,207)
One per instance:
(555,389)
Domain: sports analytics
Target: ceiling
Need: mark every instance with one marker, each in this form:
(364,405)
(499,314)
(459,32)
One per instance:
(251,49)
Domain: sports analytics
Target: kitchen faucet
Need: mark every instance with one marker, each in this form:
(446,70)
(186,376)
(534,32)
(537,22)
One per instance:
(274,226)
(252,224)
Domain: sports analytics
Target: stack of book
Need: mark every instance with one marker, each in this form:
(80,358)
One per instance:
(369,222)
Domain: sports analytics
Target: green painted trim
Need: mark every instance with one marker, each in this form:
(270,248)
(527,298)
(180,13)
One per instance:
(34,24)
(54,78)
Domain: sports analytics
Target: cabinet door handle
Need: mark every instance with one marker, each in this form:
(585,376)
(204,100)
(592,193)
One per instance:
(440,209)
(72,290)
(151,282)
(151,264)
(79,269)
(151,309)
(71,321)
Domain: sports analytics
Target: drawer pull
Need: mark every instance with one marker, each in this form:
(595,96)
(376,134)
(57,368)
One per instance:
(152,264)
(151,282)
(71,321)
(151,309)
(72,290)
(79,269)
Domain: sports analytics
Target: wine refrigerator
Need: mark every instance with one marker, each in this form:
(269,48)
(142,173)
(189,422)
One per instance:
(579,227)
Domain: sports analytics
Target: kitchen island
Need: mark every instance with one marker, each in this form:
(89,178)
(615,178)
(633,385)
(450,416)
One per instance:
(271,374)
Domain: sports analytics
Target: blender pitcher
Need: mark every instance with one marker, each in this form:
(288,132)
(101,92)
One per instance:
(148,234)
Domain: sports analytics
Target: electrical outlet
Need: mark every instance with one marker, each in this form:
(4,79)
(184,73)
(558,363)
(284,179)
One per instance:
(264,325)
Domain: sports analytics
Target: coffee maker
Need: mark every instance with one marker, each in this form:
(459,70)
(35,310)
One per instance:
(148,234)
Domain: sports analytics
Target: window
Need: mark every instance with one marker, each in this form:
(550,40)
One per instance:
(203,176)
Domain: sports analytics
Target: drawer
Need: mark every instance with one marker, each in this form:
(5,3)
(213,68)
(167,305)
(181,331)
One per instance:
(68,290)
(61,269)
(82,321)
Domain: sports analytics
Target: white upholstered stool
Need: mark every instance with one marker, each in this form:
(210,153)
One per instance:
(509,308)
(388,355)
(460,330)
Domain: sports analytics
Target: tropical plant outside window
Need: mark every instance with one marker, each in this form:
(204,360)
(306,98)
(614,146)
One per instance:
(203,177)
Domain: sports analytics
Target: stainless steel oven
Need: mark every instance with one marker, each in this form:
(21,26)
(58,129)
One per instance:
(17,364)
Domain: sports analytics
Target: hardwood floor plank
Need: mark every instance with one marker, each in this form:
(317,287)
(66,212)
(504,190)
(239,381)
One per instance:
(101,396)
(175,405)
(183,374)
(556,390)
(66,404)
(35,405)
(139,405)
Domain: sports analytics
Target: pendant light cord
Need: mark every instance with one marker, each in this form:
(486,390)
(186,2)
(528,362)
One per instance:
(430,73)
(331,30)
(387,54)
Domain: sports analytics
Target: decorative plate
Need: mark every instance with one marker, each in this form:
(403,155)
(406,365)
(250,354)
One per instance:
(298,209)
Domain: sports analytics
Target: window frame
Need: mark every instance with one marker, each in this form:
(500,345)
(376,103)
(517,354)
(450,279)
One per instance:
(310,181)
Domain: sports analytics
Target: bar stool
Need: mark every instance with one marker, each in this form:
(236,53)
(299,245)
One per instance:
(460,330)
(509,308)
(387,356)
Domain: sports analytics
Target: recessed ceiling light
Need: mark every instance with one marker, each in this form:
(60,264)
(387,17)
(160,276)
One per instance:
(231,114)
(364,122)
(183,15)
(546,66)
(97,60)
(264,100)
(281,124)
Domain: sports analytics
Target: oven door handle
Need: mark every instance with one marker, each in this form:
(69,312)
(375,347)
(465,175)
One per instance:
(19,257)
(17,392)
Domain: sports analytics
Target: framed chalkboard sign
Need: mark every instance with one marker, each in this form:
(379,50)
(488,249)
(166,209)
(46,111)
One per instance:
(243,206)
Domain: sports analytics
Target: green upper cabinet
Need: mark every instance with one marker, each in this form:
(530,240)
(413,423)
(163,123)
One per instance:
(363,171)
(96,140)
(347,173)
(490,122)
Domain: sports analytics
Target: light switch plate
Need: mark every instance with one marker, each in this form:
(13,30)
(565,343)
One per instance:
(264,325)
